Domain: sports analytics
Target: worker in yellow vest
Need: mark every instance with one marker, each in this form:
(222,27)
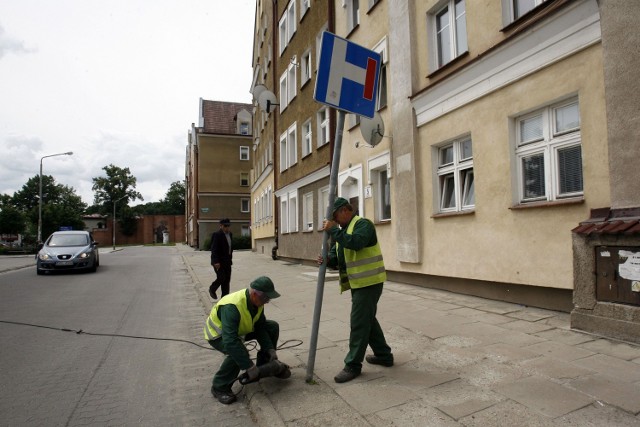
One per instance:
(357,255)
(236,318)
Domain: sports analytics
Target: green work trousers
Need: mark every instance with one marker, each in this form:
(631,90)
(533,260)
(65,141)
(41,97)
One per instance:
(229,369)
(365,329)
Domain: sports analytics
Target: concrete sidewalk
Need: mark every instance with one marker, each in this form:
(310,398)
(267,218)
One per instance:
(459,360)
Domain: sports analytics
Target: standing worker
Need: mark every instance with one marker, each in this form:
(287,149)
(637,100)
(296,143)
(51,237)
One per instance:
(221,255)
(236,318)
(357,255)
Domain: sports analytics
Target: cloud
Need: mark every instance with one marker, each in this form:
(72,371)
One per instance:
(18,162)
(10,45)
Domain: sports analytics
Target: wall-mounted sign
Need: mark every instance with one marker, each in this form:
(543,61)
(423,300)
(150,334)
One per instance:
(204,210)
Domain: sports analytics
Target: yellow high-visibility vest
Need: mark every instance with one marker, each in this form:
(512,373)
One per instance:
(364,267)
(213,326)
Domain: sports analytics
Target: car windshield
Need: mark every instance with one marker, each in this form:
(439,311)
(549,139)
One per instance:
(68,240)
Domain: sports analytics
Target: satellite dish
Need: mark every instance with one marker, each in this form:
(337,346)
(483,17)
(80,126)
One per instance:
(266,100)
(257,91)
(372,129)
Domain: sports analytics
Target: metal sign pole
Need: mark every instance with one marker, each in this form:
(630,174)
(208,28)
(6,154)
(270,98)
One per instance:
(333,184)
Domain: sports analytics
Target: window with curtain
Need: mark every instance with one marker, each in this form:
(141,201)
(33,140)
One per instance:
(549,153)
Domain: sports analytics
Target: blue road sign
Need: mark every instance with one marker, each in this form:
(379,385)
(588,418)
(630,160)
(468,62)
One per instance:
(347,76)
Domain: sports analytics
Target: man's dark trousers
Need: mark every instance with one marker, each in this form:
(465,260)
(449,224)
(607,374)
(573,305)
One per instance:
(223,279)
(365,329)
(229,370)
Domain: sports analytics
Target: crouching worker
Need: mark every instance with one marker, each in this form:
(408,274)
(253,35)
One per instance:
(236,318)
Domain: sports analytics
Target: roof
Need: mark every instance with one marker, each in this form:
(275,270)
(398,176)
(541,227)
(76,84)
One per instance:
(624,221)
(220,116)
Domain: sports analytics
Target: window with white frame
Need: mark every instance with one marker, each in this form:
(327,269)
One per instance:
(284,218)
(549,153)
(353,14)
(291,80)
(456,189)
(244,179)
(381,48)
(307,212)
(244,128)
(305,67)
(449,37)
(282,33)
(270,203)
(284,94)
(307,136)
(379,168)
(304,7)
(291,19)
(284,153)
(323,204)
(521,7)
(292,145)
(245,205)
(323,126)
(245,231)
(293,213)
(244,153)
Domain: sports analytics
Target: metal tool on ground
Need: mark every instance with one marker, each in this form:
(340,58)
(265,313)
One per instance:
(275,368)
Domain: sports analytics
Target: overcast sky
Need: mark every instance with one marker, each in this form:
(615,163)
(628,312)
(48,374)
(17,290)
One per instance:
(116,82)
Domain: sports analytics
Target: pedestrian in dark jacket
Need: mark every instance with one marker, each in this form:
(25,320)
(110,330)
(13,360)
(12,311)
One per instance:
(221,258)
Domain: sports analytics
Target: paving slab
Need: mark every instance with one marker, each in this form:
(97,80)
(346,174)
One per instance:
(612,348)
(565,336)
(559,351)
(507,413)
(553,368)
(414,413)
(606,389)
(599,415)
(374,396)
(544,396)
(611,366)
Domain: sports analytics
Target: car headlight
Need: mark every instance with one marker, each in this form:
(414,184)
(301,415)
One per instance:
(44,256)
(84,255)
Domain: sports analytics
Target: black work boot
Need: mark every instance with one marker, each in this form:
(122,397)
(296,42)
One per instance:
(375,360)
(225,397)
(345,375)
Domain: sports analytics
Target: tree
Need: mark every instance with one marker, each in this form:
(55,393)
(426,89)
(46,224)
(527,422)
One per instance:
(174,200)
(61,206)
(12,221)
(118,186)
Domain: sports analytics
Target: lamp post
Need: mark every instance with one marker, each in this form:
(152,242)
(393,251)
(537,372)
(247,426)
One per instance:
(68,153)
(114,221)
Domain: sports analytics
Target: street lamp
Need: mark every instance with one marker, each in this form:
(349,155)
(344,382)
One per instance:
(114,221)
(68,153)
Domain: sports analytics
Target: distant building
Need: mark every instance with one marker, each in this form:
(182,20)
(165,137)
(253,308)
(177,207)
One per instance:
(94,221)
(218,165)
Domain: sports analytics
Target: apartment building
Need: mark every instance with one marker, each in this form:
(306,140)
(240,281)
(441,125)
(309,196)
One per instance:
(497,142)
(218,167)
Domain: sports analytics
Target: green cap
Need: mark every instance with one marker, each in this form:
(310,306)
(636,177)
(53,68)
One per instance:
(338,203)
(265,285)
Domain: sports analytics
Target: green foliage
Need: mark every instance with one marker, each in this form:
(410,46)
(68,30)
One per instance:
(60,205)
(117,188)
(241,242)
(128,223)
(12,221)
(172,204)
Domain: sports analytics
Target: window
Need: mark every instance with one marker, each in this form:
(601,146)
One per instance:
(292,145)
(244,128)
(304,6)
(323,126)
(521,7)
(307,144)
(450,39)
(244,179)
(284,218)
(305,68)
(245,231)
(244,153)
(307,212)
(379,174)
(549,153)
(287,26)
(244,205)
(353,14)
(319,44)
(283,91)
(323,204)
(291,80)
(456,188)
(284,153)
(381,48)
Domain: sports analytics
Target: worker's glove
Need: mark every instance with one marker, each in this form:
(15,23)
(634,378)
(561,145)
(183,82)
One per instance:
(252,373)
(272,355)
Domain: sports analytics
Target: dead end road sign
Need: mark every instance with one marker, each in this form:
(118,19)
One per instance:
(347,76)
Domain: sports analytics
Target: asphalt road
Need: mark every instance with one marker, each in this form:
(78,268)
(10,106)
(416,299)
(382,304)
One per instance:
(56,378)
